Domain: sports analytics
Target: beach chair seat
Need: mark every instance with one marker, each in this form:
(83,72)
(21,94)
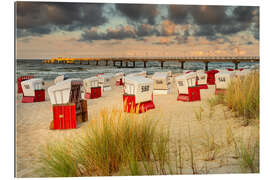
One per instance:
(201,80)
(187,89)
(92,90)
(68,107)
(222,82)
(19,80)
(161,83)
(33,90)
(138,94)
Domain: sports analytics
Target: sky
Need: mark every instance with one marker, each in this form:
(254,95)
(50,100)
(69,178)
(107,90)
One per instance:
(48,29)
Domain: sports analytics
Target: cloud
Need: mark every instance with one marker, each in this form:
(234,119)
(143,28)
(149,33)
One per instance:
(138,12)
(203,15)
(167,28)
(178,14)
(212,20)
(39,16)
(119,33)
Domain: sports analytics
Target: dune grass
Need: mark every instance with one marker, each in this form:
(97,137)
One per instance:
(112,141)
(242,97)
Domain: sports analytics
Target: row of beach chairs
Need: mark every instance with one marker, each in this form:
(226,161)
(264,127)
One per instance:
(69,104)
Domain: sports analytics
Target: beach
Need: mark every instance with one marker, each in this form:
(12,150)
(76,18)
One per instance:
(33,120)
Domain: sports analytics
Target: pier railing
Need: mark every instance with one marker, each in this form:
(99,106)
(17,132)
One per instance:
(205,59)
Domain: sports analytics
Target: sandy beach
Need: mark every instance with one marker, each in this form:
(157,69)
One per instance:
(33,119)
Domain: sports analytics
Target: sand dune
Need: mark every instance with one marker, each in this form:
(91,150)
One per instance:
(32,126)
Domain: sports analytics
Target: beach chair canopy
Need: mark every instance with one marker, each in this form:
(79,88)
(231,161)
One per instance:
(202,78)
(89,83)
(29,86)
(223,79)
(61,93)
(104,79)
(60,78)
(183,82)
(160,80)
(139,86)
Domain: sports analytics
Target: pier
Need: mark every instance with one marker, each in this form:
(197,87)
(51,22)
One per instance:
(125,61)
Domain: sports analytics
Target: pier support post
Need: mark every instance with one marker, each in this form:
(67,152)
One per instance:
(126,63)
(113,63)
(106,62)
(206,65)
(144,64)
(182,64)
(236,64)
(161,64)
(121,63)
(88,62)
(133,64)
(97,63)
(80,62)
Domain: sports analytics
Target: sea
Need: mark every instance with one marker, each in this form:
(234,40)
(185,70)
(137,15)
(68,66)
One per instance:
(51,71)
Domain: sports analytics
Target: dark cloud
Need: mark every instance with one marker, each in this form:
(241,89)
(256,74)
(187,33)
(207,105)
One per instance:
(143,30)
(244,13)
(139,12)
(206,30)
(34,16)
(119,33)
(204,15)
(178,14)
(138,32)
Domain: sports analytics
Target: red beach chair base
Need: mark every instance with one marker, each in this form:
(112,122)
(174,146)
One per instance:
(193,95)
(211,81)
(95,93)
(39,97)
(131,107)
(64,116)
(220,91)
(28,99)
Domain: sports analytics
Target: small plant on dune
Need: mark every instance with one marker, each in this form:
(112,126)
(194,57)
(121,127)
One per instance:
(57,160)
(249,155)
(198,114)
(179,158)
(209,144)
(161,151)
(191,151)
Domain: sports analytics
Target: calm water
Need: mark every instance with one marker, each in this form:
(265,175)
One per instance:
(50,71)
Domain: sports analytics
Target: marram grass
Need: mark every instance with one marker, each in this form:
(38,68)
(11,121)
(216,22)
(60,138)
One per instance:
(113,140)
(242,97)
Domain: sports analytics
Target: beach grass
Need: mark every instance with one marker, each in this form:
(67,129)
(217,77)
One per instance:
(242,97)
(111,141)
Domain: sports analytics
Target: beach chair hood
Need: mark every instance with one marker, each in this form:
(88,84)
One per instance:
(60,93)
(29,86)
(139,86)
